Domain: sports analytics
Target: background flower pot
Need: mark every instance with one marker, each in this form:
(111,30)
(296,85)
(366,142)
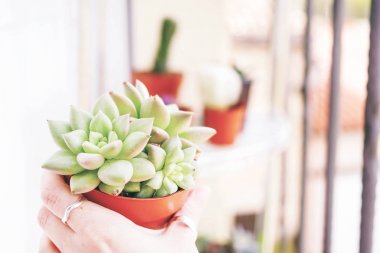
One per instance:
(166,85)
(151,213)
(227,123)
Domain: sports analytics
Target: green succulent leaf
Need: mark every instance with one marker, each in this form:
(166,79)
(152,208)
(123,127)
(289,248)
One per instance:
(132,187)
(90,161)
(142,155)
(63,162)
(57,129)
(133,145)
(143,169)
(95,137)
(106,105)
(88,147)
(156,181)
(172,107)
(141,88)
(156,155)
(83,182)
(158,135)
(198,134)
(121,126)
(124,104)
(75,139)
(133,94)
(169,185)
(102,144)
(187,144)
(162,192)
(154,107)
(111,150)
(110,189)
(179,121)
(172,143)
(112,136)
(141,125)
(176,177)
(173,149)
(101,124)
(187,182)
(189,154)
(170,169)
(186,168)
(174,156)
(79,119)
(145,192)
(115,172)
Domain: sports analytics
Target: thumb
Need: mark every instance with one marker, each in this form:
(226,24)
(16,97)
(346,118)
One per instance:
(192,208)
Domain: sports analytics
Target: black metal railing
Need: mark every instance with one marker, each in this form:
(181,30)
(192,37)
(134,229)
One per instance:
(371,133)
(306,119)
(371,128)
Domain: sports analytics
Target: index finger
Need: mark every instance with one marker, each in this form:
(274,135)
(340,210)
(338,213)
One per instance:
(56,196)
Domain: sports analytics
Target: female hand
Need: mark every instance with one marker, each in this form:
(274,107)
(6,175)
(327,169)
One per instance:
(92,228)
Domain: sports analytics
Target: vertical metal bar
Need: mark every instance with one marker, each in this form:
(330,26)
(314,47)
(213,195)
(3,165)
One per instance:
(370,165)
(283,192)
(306,120)
(280,47)
(333,125)
(130,36)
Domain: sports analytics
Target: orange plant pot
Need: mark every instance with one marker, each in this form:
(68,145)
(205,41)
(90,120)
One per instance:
(153,213)
(228,123)
(166,85)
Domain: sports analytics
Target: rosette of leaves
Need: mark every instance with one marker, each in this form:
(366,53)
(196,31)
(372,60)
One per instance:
(130,144)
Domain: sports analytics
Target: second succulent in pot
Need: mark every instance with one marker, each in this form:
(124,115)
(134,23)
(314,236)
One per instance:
(131,144)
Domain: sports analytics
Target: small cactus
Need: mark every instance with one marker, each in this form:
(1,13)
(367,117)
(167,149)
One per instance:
(131,144)
(167,32)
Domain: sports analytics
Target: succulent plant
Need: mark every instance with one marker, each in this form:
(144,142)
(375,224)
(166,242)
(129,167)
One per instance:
(221,86)
(131,144)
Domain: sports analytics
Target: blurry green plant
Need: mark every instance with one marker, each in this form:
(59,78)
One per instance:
(358,8)
(167,32)
(353,8)
(132,144)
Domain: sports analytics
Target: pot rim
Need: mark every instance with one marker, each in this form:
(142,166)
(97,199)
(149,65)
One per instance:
(139,199)
(234,107)
(174,73)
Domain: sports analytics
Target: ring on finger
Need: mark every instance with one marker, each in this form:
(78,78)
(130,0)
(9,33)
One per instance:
(69,209)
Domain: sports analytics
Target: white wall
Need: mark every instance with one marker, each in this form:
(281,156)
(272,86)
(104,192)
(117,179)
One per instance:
(41,74)
(38,48)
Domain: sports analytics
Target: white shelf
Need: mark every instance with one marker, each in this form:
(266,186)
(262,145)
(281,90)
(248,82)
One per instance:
(263,135)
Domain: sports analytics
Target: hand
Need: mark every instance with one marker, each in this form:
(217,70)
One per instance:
(92,228)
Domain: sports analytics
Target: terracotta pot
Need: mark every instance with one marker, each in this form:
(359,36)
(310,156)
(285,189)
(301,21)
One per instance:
(151,213)
(166,85)
(227,123)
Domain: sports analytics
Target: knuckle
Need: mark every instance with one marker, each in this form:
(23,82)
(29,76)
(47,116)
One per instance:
(99,239)
(43,217)
(49,198)
(103,247)
(98,243)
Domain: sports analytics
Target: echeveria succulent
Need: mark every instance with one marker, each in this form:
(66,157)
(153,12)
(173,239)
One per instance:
(130,144)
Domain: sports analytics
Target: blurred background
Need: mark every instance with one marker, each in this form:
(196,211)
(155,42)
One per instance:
(239,65)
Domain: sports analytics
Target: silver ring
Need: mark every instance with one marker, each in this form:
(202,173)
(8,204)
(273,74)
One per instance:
(188,222)
(69,209)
